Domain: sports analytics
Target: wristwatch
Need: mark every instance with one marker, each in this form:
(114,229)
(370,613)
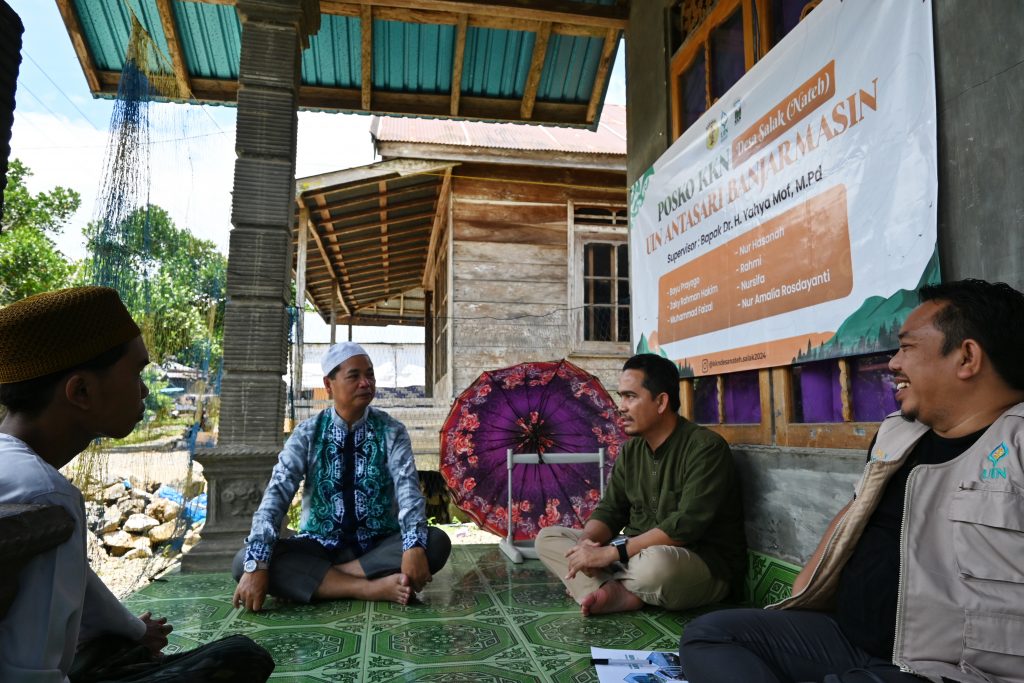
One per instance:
(253,565)
(620,545)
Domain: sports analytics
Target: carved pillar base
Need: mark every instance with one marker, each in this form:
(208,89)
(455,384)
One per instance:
(236,478)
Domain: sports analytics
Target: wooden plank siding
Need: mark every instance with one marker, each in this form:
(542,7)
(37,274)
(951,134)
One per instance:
(510,270)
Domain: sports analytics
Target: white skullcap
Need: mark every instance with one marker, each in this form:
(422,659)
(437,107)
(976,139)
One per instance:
(338,354)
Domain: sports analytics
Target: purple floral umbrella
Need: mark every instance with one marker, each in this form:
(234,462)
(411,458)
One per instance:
(543,407)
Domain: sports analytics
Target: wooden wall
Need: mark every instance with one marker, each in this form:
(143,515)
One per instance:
(510,271)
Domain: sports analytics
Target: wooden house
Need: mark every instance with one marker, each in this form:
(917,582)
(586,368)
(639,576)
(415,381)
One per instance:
(506,242)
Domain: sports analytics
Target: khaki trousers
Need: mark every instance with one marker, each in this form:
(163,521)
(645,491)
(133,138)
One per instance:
(662,575)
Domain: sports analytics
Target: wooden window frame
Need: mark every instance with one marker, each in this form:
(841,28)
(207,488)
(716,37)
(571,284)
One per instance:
(699,42)
(845,434)
(749,433)
(579,235)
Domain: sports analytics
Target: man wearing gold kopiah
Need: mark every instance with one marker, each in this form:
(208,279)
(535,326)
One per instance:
(70,372)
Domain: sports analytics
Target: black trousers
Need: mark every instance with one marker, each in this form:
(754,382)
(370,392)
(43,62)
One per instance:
(778,646)
(298,565)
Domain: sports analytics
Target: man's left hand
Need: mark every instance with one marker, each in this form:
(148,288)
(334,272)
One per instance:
(416,567)
(155,638)
(588,557)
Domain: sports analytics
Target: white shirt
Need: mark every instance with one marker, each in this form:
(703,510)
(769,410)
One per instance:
(59,601)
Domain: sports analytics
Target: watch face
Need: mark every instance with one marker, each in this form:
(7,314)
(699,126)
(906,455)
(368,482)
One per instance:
(249,566)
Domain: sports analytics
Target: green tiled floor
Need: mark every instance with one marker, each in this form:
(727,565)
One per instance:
(483,619)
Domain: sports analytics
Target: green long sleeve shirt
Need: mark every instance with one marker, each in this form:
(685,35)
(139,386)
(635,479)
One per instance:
(689,489)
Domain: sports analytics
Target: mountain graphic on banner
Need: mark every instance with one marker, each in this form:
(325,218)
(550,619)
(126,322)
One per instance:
(874,325)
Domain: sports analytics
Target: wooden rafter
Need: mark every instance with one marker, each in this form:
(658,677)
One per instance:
(412,189)
(70,16)
(611,39)
(381,224)
(457,61)
(540,49)
(366,23)
(170,28)
(561,11)
(435,230)
(382,203)
(350,99)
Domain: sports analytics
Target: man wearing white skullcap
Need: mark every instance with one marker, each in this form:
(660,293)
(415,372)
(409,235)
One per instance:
(363,532)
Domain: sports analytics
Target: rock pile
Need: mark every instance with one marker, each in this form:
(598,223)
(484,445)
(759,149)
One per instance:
(127,520)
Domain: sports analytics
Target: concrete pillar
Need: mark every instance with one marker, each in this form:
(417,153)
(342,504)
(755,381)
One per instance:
(259,274)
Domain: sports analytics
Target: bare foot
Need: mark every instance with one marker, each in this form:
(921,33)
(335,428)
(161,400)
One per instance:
(392,588)
(611,597)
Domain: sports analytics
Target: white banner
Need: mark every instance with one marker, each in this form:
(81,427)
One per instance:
(796,218)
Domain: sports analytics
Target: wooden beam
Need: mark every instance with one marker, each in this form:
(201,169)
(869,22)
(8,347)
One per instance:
(387,103)
(430,198)
(366,24)
(435,229)
(74,27)
(548,11)
(170,28)
(398,220)
(601,77)
(540,49)
(457,60)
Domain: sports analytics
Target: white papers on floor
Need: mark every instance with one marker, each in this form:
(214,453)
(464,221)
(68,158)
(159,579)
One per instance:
(635,666)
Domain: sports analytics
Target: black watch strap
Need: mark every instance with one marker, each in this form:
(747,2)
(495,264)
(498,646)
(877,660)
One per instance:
(620,543)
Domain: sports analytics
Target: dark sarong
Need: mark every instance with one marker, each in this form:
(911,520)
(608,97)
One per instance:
(235,659)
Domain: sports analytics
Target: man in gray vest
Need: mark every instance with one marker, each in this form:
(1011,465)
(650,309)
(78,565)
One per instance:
(921,575)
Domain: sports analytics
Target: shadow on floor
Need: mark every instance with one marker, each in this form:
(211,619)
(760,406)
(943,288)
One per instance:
(483,619)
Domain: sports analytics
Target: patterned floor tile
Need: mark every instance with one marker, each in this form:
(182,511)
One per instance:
(463,674)
(454,640)
(540,597)
(483,619)
(310,648)
(191,586)
(574,633)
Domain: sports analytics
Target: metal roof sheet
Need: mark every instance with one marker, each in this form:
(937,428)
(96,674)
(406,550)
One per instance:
(414,45)
(609,138)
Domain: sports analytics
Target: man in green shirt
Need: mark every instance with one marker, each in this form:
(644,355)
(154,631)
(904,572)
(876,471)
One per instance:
(675,496)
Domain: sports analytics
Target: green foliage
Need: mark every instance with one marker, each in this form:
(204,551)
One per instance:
(45,212)
(171,281)
(30,262)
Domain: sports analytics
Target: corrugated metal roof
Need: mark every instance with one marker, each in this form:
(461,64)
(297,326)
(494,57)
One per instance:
(609,138)
(412,59)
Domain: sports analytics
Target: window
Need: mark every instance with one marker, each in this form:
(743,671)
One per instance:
(722,45)
(735,405)
(599,280)
(442,319)
(605,292)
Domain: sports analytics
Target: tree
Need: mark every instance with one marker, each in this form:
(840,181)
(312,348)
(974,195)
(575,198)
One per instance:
(171,281)
(30,262)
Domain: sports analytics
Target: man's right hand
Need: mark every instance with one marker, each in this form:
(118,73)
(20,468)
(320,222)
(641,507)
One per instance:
(252,590)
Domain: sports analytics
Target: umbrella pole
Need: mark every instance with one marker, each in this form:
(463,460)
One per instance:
(507,544)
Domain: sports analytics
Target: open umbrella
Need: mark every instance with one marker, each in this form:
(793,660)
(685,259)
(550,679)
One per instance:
(543,407)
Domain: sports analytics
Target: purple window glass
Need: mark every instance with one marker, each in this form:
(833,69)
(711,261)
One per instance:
(742,398)
(692,91)
(785,16)
(705,400)
(728,63)
(817,395)
(871,385)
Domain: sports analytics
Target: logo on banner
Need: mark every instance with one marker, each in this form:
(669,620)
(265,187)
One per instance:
(995,472)
(718,131)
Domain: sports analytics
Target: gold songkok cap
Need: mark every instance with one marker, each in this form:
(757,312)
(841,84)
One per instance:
(59,330)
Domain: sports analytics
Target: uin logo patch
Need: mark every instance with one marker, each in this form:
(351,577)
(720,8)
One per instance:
(995,471)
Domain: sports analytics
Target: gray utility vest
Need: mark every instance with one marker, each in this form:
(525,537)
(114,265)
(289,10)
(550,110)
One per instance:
(961,595)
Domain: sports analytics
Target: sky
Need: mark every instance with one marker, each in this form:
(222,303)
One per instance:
(61,133)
